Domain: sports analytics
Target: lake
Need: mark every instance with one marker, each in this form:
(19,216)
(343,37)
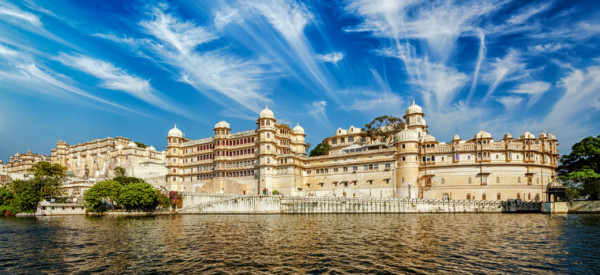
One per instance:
(312,243)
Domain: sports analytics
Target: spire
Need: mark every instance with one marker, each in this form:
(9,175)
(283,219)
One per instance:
(413,101)
(175,126)
(266,106)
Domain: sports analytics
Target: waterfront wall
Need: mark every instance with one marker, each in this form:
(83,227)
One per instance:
(52,209)
(236,204)
(571,207)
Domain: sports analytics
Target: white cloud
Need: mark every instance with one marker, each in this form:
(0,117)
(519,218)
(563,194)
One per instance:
(7,51)
(501,68)
(509,102)
(480,57)
(333,57)
(528,13)
(534,89)
(8,11)
(549,47)
(317,110)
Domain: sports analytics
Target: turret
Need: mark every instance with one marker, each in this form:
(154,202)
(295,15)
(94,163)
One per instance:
(267,148)
(414,119)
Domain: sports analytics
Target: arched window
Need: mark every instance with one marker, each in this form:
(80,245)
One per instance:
(483,197)
(268,147)
(498,196)
(497,179)
(537,197)
(468,196)
(529,196)
(519,180)
(469,180)
(446,197)
(518,196)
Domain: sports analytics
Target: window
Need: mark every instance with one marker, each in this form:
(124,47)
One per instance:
(518,196)
(334,141)
(387,180)
(351,139)
(365,167)
(268,135)
(468,196)
(519,180)
(341,140)
(498,196)
(354,168)
(345,169)
(443,181)
(403,146)
(402,180)
(403,158)
(469,180)
(483,197)
(483,180)
(387,166)
(529,196)
(456,157)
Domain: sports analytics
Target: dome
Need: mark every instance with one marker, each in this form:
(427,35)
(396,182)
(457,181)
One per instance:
(175,132)
(527,135)
(456,137)
(483,134)
(407,135)
(298,129)
(428,138)
(414,109)
(222,124)
(542,135)
(507,136)
(551,136)
(131,144)
(266,113)
(151,148)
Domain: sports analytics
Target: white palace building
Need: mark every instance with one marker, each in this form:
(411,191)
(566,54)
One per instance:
(272,158)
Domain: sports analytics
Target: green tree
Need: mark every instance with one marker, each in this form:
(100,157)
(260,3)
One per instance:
(27,195)
(382,129)
(140,145)
(119,171)
(44,169)
(321,150)
(102,192)
(139,195)
(7,207)
(580,170)
(127,180)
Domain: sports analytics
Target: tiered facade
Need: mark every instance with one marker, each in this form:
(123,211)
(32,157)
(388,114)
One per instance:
(98,158)
(415,165)
(21,163)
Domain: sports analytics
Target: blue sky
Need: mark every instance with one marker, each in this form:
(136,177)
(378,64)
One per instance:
(81,70)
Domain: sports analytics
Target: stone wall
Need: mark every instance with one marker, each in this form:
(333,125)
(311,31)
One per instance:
(571,207)
(45,208)
(252,204)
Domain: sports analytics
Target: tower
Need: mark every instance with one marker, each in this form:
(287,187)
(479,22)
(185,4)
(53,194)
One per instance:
(407,159)
(222,132)
(414,119)
(266,149)
(174,151)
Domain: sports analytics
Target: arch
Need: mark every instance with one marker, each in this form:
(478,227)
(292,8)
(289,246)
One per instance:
(468,196)
(537,197)
(483,197)
(518,196)
(499,196)
(529,196)
(497,179)
(446,197)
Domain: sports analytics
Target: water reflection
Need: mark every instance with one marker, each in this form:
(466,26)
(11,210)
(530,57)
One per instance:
(425,243)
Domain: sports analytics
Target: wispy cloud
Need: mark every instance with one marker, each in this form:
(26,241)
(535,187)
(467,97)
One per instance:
(501,68)
(509,102)
(333,57)
(529,12)
(9,11)
(533,89)
(317,110)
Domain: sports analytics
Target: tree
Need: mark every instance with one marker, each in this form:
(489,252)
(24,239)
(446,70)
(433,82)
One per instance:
(44,169)
(382,129)
(119,171)
(127,180)
(580,170)
(139,195)
(140,145)
(27,195)
(321,150)
(7,207)
(101,192)
(308,145)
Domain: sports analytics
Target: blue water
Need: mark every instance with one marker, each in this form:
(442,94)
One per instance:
(328,243)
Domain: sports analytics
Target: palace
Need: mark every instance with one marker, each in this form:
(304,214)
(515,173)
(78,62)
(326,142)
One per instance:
(19,164)
(98,159)
(414,165)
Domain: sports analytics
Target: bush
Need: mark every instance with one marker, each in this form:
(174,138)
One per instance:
(138,196)
(101,192)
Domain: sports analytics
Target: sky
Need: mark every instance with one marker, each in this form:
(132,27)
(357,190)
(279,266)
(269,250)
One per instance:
(83,70)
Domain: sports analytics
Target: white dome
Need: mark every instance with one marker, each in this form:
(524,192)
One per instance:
(266,113)
(407,135)
(456,137)
(298,129)
(483,134)
(152,148)
(175,132)
(222,124)
(414,109)
(131,144)
(551,136)
(428,138)
(527,135)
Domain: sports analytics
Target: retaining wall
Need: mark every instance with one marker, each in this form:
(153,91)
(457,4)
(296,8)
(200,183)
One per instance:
(571,207)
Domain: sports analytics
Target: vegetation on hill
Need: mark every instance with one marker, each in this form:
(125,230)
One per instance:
(579,171)
(140,145)
(382,129)
(321,150)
